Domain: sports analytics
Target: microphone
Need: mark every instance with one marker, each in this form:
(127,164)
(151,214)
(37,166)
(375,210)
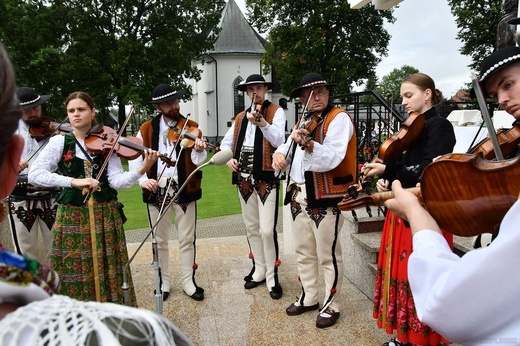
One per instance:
(221,157)
(184,143)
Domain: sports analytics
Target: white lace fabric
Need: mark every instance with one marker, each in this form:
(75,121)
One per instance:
(60,320)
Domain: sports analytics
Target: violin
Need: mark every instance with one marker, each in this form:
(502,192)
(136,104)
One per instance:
(508,141)
(101,139)
(48,127)
(257,109)
(409,133)
(465,193)
(189,130)
(192,133)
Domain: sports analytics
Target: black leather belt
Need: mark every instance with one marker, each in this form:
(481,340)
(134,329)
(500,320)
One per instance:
(24,190)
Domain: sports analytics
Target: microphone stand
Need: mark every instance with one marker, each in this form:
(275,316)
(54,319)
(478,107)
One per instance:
(218,159)
(155,253)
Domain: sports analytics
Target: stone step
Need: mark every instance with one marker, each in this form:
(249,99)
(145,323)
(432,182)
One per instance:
(371,242)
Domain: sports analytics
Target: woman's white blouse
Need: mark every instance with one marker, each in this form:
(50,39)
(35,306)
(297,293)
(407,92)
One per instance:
(42,170)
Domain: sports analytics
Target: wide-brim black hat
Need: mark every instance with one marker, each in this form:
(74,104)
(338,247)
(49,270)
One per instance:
(497,61)
(254,79)
(165,93)
(29,98)
(310,80)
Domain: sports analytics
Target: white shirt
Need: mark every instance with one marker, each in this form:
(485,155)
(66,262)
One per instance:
(274,133)
(325,156)
(473,300)
(30,144)
(42,170)
(165,147)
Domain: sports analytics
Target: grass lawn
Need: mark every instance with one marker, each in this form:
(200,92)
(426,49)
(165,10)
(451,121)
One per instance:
(219,197)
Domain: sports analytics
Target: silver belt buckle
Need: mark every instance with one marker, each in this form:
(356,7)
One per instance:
(245,161)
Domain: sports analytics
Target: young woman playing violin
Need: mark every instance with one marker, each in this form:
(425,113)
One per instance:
(80,230)
(393,303)
(469,299)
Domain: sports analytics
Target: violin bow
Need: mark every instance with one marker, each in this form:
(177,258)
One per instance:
(485,114)
(289,150)
(111,151)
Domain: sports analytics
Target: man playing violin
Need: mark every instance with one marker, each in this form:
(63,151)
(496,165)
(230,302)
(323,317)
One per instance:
(161,183)
(32,210)
(253,138)
(469,299)
(321,167)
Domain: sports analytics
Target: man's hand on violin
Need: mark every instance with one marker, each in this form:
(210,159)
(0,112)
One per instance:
(200,144)
(256,118)
(301,136)
(149,158)
(279,161)
(232,164)
(407,206)
(23,165)
(150,185)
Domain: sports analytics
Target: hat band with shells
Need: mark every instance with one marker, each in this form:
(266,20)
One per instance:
(313,83)
(497,65)
(29,102)
(163,96)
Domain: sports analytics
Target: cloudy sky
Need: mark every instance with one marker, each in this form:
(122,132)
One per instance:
(424,37)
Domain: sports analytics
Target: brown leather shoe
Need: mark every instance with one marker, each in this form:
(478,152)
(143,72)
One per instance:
(325,322)
(294,309)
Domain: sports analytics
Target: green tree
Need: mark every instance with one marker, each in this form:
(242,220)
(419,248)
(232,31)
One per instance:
(477,21)
(391,83)
(117,50)
(324,36)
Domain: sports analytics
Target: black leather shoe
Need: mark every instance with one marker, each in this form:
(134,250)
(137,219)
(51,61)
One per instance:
(165,295)
(276,292)
(325,322)
(252,284)
(294,309)
(198,295)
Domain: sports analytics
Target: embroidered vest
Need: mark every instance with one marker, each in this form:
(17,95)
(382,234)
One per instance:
(192,191)
(263,150)
(72,166)
(326,189)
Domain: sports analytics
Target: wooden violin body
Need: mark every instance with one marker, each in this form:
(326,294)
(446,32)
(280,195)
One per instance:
(408,135)
(466,194)
(101,139)
(48,127)
(469,195)
(508,140)
(391,149)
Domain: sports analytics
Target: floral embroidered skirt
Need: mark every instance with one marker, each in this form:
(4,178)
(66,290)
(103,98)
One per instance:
(72,253)
(394,307)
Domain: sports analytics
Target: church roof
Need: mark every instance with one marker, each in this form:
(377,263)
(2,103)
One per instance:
(236,34)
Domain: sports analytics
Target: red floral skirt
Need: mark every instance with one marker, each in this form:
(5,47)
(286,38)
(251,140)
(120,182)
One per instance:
(394,307)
